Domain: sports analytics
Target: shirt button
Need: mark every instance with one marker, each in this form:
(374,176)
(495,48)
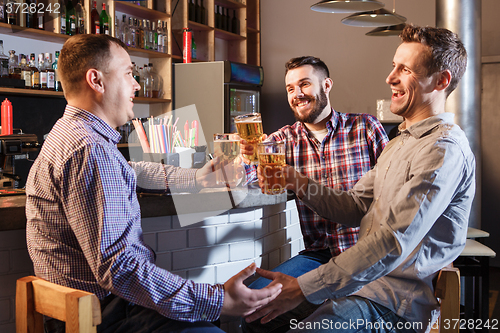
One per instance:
(323,157)
(203,316)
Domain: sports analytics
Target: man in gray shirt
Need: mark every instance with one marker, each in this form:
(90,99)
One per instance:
(412,208)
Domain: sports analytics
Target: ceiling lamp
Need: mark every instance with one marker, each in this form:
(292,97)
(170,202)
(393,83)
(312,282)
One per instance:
(376,18)
(346,6)
(393,30)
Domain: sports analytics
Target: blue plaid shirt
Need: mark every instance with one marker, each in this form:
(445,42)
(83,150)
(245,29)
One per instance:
(84,221)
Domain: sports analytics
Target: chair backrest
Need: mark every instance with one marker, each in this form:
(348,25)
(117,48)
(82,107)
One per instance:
(448,292)
(35,297)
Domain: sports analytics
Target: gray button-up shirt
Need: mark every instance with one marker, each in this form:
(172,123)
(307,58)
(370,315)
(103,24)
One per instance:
(413,210)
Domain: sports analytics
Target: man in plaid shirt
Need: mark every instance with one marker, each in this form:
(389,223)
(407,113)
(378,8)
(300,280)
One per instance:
(335,149)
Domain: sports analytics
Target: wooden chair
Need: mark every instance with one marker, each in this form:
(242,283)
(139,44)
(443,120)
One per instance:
(36,297)
(448,292)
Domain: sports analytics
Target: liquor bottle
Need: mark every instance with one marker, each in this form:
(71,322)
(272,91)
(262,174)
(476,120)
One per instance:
(159,37)
(35,73)
(11,7)
(70,19)
(203,13)
(95,25)
(14,69)
(43,72)
(51,83)
(58,85)
(156,82)
(104,21)
(193,47)
(191,11)
(197,11)
(62,10)
(39,19)
(217,17)
(165,36)
(137,77)
(4,62)
(235,24)
(80,17)
(147,82)
(30,15)
(130,33)
(144,35)
(118,29)
(25,72)
(154,33)
(149,36)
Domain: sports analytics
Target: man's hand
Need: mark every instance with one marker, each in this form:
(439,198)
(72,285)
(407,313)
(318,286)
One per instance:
(294,181)
(289,298)
(239,300)
(231,171)
(247,149)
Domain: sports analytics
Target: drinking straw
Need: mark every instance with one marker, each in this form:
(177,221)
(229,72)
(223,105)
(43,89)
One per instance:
(142,135)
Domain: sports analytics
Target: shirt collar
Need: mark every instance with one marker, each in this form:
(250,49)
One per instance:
(96,123)
(424,126)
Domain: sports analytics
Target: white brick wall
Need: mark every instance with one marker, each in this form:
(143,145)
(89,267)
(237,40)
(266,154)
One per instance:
(210,251)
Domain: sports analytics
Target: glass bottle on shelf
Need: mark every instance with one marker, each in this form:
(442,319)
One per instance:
(191,11)
(80,17)
(104,21)
(130,33)
(197,11)
(139,33)
(30,14)
(51,84)
(25,72)
(125,30)
(150,42)
(43,72)
(4,62)
(193,47)
(145,35)
(203,13)
(58,86)
(70,19)
(147,82)
(95,25)
(35,73)
(159,37)
(62,11)
(118,29)
(235,24)
(39,20)
(10,8)
(217,18)
(156,82)
(154,33)
(14,69)
(165,36)
(137,77)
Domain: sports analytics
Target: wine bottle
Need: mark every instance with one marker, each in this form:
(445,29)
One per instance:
(58,85)
(80,17)
(95,25)
(70,19)
(203,13)
(104,21)
(62,10)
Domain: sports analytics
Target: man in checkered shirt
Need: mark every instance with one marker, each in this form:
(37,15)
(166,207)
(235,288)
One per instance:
(333,148)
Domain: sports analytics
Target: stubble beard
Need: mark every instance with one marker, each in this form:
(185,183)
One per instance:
(320,100)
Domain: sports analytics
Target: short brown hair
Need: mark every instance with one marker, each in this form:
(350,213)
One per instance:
(447,52)
(316,63)
(81,53)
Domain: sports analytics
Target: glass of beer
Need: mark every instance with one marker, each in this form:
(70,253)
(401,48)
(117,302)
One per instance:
(272,160)
(227,148)
(249,128)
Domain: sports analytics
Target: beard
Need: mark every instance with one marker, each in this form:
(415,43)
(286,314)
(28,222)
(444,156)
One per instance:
(320,101)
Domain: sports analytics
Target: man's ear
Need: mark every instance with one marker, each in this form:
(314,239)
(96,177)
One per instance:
(94,80)
(327,85)
(443,80)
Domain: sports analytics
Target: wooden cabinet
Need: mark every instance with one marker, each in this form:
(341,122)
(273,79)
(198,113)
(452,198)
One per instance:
(214,43)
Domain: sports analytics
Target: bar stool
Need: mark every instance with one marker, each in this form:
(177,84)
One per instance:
(473,263)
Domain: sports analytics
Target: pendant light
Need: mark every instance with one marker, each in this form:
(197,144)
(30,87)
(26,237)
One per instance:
(376,18)
(346,6)
(393,30)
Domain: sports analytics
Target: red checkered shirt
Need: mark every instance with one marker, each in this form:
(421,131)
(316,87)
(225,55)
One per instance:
(349,150)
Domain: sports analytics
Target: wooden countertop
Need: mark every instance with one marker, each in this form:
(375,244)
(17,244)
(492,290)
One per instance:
(12,208)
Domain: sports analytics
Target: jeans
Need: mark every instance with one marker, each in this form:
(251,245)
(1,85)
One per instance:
(296,266)
(352,314)
(120,316)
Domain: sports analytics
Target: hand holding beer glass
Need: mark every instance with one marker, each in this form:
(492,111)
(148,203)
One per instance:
(250,129)
(271,162)
(227,148)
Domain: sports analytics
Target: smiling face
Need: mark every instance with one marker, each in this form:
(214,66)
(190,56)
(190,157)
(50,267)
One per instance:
(307,93)
(413,91)
(119,87)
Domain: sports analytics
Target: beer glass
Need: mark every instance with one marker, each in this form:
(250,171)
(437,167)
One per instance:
(249,128)
(272,160)
(227,148)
